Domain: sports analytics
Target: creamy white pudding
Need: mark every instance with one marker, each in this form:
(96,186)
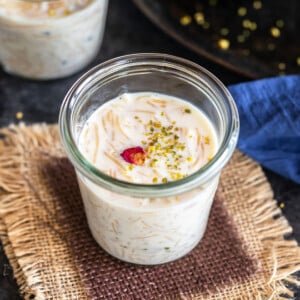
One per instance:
(147,138)
(50,39)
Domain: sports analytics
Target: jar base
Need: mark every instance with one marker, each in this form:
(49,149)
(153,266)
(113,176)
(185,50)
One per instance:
(148,262)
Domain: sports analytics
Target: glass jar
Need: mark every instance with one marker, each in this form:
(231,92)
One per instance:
(50,39)
(148,235)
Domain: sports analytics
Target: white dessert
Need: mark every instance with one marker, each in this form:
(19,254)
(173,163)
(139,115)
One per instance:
(177,139)
(50,39)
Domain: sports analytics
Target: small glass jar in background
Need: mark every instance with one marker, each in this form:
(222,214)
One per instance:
(131,232)
(49,39)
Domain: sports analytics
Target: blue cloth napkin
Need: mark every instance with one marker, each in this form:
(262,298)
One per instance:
(270,123)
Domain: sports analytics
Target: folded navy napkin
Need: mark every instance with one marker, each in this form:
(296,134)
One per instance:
(269,112)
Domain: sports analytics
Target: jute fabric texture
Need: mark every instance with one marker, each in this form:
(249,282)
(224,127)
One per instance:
(244,254)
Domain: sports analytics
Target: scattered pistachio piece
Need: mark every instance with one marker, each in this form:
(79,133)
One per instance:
(51,12)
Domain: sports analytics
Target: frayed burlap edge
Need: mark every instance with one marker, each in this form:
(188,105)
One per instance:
(17,270)
(271,225)
(17,239)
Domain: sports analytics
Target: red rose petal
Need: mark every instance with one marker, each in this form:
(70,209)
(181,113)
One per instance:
(134,155)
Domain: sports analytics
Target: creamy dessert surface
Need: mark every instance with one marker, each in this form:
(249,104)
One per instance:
(176,138)
(43,9)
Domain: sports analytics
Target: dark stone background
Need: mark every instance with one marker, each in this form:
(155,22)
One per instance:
(127,31)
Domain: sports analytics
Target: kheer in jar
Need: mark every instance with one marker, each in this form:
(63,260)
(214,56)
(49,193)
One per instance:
(50,39)
(147,138)
(148,135)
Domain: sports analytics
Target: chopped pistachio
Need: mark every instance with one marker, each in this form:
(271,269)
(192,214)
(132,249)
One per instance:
(130,167)
(67,12)
(51,12)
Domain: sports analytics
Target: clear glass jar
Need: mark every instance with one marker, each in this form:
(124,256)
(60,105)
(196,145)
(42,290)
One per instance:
(50,39)
(132,233)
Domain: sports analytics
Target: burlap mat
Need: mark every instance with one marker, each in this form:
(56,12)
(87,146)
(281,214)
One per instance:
(243,255)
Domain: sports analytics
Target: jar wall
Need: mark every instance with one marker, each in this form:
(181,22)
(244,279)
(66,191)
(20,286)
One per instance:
(148,223)
(136,233)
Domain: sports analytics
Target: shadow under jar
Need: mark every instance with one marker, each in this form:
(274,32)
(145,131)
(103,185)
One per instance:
(43,39)
(148,223)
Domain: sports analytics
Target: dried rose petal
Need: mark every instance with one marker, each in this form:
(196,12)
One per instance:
(134,155)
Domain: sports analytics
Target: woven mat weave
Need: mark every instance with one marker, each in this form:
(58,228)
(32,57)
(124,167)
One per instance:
(44,231)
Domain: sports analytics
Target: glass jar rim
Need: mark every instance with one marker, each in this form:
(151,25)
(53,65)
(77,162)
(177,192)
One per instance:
(204,174)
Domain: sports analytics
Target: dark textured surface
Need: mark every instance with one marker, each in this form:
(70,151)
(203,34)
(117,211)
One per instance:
(127,31)
(252,56)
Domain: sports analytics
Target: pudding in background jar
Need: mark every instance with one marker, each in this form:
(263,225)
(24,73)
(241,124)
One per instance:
(50,39)
(148,135)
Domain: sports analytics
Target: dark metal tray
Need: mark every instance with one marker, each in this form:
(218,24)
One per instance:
(257,38)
